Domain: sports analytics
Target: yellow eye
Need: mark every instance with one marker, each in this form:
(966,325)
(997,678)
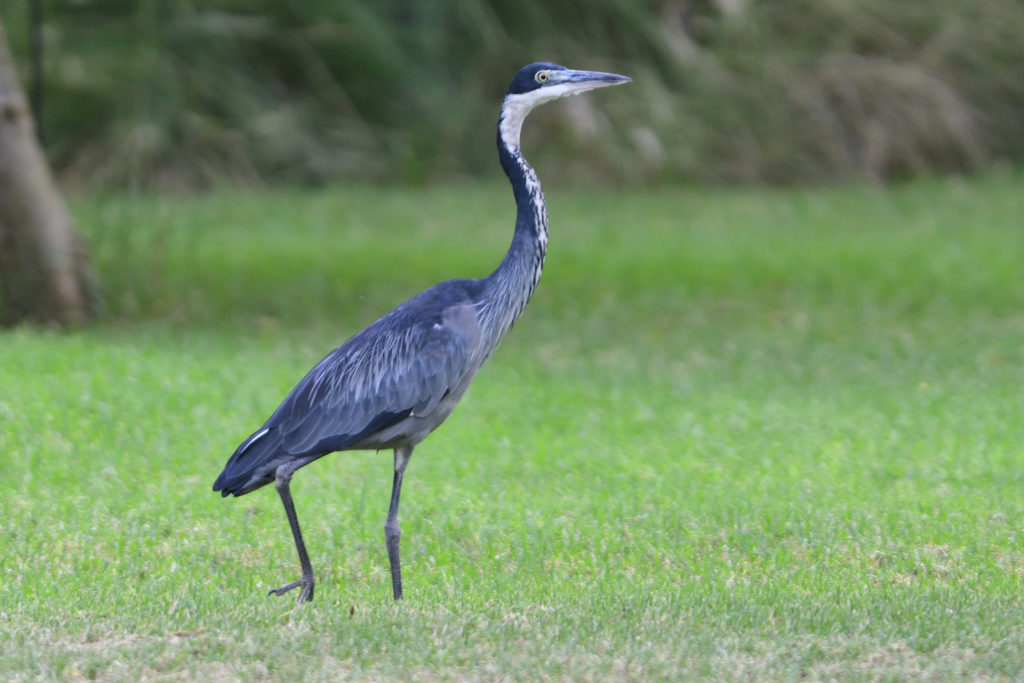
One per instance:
(542,77)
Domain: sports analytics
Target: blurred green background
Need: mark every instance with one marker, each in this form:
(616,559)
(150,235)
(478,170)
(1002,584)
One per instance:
(186,94)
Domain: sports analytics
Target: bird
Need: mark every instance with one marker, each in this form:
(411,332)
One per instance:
(397,380)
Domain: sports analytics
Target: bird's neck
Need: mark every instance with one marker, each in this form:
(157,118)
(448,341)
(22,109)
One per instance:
(508,289)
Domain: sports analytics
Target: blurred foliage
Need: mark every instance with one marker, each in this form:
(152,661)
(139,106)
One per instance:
(179,93)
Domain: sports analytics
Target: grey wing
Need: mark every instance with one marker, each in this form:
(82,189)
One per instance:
(392,370)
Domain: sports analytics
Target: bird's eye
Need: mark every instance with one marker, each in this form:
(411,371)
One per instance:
(542,77)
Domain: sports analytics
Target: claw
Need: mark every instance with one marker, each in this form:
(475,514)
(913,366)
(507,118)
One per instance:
(305,595)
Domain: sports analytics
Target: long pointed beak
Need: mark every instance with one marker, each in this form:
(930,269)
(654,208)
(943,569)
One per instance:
(600,79)
(581,81)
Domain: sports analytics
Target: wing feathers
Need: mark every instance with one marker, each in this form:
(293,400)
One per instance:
(394,367)
(402,365)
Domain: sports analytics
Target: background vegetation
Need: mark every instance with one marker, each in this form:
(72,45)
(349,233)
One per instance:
(172,94)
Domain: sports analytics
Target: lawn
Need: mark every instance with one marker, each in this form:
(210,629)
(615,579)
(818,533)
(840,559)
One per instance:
(737,434)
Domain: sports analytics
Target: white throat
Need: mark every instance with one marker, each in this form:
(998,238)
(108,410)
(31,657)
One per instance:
(513,112)
(515,107)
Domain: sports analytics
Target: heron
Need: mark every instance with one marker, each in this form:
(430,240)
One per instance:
(393,383)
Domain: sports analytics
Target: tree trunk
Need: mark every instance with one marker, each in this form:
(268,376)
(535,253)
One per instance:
(44,268)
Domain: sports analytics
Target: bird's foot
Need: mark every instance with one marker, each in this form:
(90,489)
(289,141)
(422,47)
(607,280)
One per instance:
(305,595)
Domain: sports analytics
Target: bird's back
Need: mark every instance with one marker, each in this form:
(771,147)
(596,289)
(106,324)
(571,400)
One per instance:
(390,384)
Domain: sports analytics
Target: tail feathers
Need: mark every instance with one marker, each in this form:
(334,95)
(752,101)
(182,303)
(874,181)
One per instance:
(253,464)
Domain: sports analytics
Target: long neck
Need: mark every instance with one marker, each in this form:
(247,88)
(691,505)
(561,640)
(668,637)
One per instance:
(508,289)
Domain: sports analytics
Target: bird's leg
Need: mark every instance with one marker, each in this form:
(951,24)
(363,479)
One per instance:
(392,533)
(306,582)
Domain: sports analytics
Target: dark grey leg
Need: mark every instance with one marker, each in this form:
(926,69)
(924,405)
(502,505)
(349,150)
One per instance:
(392,533)
(284,477)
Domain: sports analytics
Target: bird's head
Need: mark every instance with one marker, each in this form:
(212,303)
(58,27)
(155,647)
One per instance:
(542,82)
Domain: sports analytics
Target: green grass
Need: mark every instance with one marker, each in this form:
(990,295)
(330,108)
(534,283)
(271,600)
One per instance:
(738,433)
